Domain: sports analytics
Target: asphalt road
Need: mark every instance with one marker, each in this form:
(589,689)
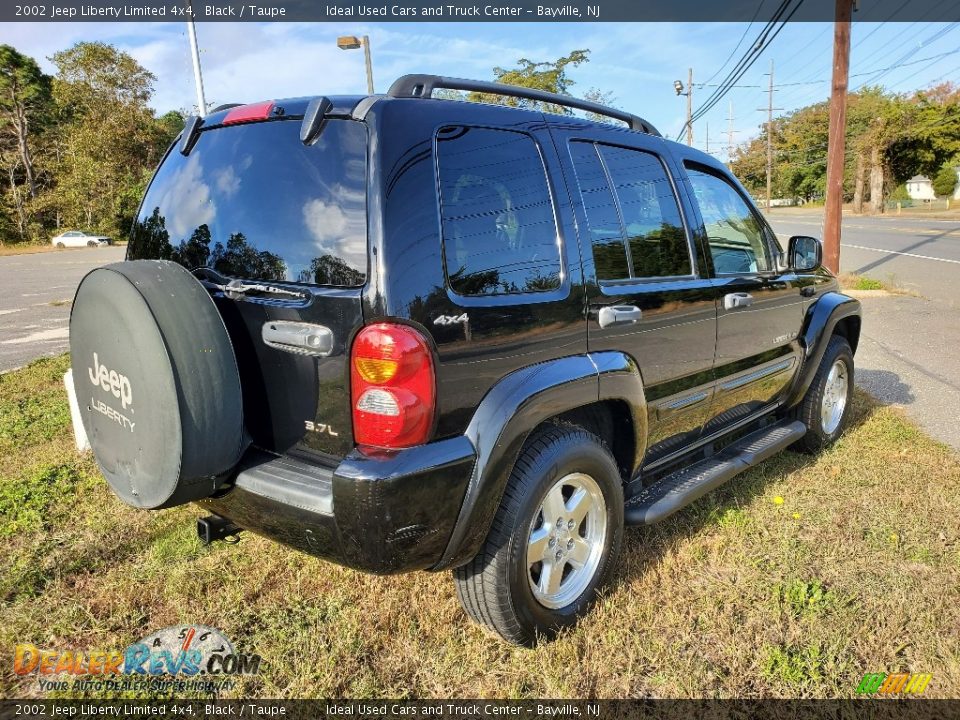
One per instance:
(909,350)
(35,300)
(922,256)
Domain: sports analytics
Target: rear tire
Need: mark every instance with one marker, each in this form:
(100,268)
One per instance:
(825,409)
(536,574)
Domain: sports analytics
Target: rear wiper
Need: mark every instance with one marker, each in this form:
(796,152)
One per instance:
(235,288)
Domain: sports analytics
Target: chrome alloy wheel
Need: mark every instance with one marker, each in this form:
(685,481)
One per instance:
(567,540)
(834,398)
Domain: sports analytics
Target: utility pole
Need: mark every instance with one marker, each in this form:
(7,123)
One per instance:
(708,138)
(770,108)
(833,212)
(195,54)
(730,132)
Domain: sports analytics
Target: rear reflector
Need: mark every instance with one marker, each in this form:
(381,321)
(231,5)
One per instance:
(249,113)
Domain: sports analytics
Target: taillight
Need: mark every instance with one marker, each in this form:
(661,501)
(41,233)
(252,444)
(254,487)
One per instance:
(391,387)
(248,113)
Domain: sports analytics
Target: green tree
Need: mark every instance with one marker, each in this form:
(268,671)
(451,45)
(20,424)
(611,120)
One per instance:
(94,74)
(945,181)
(547,76)
(25,103)
(24,99)
(108,139)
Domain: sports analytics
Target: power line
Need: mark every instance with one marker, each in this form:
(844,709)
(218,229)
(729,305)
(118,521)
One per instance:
(755,47)
(739,42)
(880,26)
(905,40)
(940,56)
(906,56)
(764,39)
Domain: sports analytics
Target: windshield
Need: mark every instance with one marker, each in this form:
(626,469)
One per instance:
(253,202)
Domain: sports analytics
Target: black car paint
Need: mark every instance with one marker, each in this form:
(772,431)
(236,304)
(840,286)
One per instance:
(422,487)
(518,360)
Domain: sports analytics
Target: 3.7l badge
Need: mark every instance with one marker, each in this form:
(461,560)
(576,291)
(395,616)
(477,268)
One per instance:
(320,428)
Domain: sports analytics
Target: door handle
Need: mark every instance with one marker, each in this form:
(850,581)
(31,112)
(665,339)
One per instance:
(619,315)
(732,301)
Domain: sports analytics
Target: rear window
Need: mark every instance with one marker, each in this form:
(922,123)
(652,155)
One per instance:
(253,202)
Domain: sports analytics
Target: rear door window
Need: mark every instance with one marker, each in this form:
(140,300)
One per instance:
(499,230)
(633,217)
(253,202)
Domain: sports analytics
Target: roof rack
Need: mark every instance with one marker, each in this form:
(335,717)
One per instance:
(422,86)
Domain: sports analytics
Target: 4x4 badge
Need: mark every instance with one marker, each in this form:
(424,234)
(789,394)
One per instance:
(451,319)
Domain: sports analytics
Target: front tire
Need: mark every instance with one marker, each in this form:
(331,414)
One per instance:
(554,541)
(825,409)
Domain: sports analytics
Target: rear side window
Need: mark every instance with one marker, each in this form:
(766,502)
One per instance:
(632,213)
(253,202)
(499,231)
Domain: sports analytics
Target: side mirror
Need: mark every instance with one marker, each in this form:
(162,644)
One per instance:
(804,253)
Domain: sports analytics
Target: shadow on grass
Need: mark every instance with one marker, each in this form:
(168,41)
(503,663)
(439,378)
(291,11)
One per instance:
(644,545)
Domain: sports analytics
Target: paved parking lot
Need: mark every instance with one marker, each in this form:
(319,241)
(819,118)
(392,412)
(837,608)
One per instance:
(35,300)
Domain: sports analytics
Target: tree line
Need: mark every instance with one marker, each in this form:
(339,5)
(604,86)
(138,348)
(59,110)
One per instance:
(76,148)
(889,139)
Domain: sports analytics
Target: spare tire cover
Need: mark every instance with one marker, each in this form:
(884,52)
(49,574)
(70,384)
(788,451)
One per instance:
(156,381)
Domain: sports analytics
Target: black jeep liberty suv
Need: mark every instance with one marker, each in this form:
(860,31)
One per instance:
(407,333)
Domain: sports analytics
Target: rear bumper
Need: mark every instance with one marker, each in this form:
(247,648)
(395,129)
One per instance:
(384,513)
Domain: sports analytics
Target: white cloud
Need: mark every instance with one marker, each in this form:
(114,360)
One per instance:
(189,197)
(336,231)
(227,181)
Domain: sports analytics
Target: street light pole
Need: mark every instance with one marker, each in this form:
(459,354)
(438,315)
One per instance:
(352,42)
(369,62)
(195,54)
(678,86)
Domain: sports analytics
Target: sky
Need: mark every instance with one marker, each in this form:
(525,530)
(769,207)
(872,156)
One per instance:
(638,63)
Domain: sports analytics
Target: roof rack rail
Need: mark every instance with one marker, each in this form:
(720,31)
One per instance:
(422,86)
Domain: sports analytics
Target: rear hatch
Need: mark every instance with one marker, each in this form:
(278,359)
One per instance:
(277,231)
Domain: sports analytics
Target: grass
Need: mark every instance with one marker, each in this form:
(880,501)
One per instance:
(852,281)
(861,282)
(25,249)
(791,581)
(29,248)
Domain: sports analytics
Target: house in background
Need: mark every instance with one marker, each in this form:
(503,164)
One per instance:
(956,190)
(920,187)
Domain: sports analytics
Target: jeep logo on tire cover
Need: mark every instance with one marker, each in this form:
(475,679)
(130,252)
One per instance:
(111,381)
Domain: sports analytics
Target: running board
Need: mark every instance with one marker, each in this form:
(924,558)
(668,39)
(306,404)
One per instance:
(676,491)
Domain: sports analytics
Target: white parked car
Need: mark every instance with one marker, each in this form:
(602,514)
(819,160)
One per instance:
(78,238)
